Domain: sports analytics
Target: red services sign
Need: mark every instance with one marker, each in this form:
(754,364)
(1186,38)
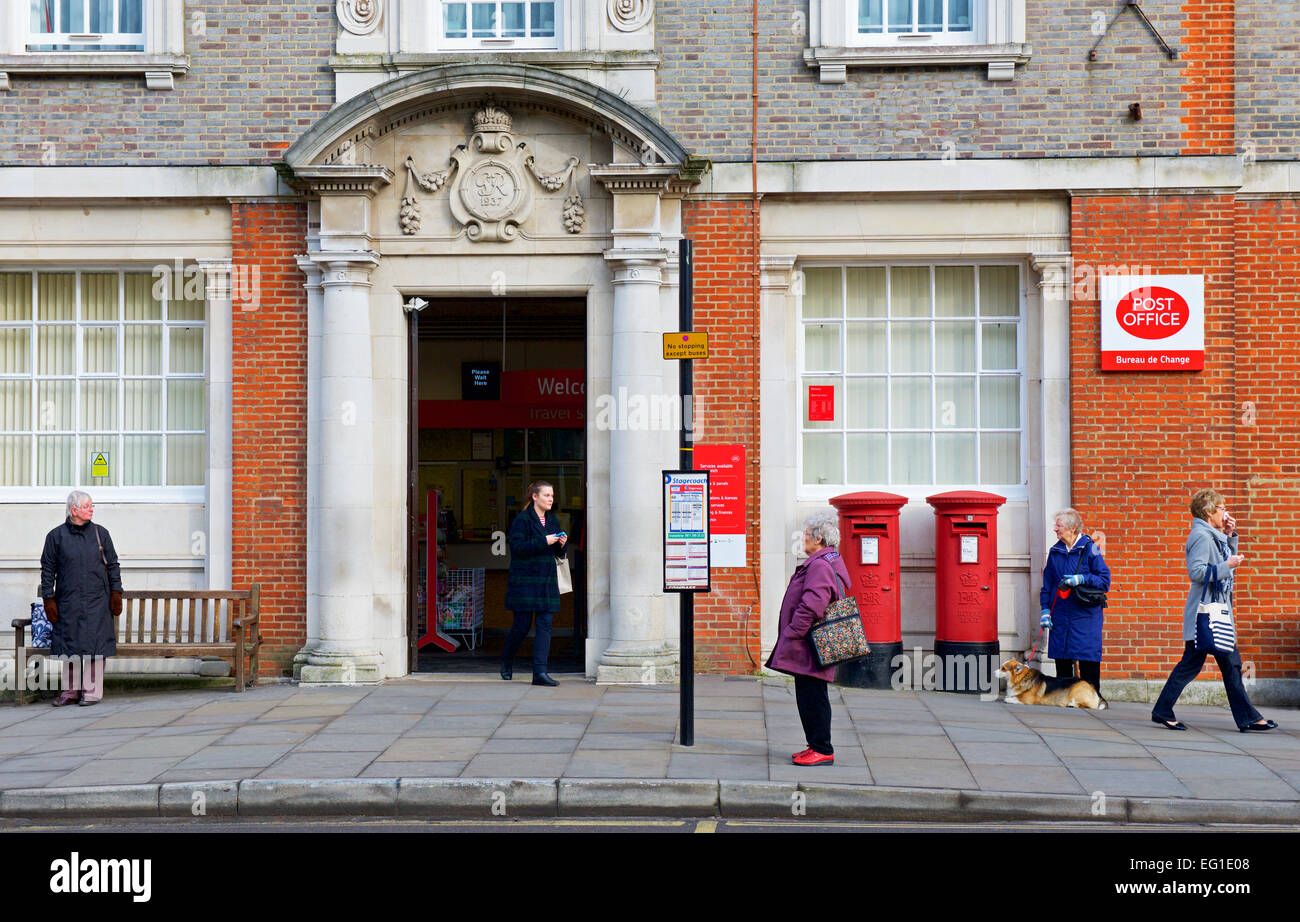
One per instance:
(726,467)
(821,402)
(1152,313)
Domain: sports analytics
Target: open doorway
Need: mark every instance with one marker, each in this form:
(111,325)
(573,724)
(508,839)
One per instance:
(498,401)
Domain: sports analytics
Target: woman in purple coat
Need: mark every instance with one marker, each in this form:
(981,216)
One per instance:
(817,581)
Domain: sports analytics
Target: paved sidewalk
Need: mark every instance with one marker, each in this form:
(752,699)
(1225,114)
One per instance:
(613,749)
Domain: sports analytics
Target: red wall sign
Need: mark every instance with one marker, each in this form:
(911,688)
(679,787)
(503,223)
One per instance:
(821,402)
(536,398)
(726,467)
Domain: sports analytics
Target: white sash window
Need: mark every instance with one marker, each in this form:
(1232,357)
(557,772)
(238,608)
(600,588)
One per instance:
(86,25)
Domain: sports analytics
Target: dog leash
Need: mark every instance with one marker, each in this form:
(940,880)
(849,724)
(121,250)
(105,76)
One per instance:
(1042,630)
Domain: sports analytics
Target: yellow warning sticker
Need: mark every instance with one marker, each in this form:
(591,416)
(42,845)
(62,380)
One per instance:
(99,464)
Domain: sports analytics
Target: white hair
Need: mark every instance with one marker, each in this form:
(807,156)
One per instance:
(75,499)
(823,527)
(1070,518)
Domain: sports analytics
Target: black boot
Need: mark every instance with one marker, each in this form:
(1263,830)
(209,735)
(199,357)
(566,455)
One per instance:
(541,678)
(507,670)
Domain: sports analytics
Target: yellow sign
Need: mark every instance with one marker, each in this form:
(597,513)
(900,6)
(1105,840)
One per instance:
(99,465)
(692,345)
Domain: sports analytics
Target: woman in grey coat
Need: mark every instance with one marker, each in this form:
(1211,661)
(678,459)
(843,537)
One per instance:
(1212,543)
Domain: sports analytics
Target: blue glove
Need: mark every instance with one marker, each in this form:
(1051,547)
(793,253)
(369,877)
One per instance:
(1068,581)
(1045,618)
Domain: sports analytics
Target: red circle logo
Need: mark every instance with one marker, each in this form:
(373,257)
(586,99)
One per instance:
(1152,313)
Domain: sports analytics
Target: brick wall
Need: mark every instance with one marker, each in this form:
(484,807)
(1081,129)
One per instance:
(727,622)
(258,79)
(269,427)
(1143,443)
(1267,78)
(1208,113)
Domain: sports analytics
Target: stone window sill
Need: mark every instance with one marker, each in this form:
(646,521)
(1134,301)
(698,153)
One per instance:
(395,63)
(159,70)
(833,63)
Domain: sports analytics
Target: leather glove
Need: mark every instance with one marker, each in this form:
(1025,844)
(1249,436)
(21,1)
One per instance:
(51,610)
(1072,580)
(115,603)
(1045,618)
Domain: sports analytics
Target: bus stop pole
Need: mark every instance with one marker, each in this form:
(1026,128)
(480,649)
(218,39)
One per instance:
(686,462)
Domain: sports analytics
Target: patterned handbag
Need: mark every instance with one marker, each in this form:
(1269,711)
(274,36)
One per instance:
(1215,633)
(837,637)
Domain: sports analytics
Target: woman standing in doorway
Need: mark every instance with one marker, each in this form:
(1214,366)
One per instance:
(532,591)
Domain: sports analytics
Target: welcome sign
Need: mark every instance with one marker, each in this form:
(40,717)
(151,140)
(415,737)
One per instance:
(1152,322)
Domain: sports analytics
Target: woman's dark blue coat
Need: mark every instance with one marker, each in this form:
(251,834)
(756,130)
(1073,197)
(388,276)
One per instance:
(1076,629)
(532,585)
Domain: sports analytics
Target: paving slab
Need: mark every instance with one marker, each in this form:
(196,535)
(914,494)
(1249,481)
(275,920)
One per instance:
(236,756)
(504,765)
(906,746)
(618,763)
(404,770)
(525,747)
(433,749)
(920,773)
(709,765)
(1008,753)
(1131,783)
(1045,779)
(319,765)
(116,771)
(160,747)
(347,742)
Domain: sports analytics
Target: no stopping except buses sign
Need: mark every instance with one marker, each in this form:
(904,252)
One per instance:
(1152,322)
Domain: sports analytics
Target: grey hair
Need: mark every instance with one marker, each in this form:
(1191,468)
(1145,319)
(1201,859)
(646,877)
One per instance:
(1070,518)
(823,527)
(75,499)
(1204,502)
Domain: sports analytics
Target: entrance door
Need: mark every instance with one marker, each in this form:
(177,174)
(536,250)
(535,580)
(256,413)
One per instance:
(498,402)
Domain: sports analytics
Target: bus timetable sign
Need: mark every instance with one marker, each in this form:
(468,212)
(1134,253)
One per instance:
(1152,322)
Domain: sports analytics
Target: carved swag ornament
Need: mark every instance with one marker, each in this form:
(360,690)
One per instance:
(490,189)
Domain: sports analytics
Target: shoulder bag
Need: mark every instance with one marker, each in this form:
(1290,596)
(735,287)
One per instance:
(1215,632)
(837,637)
(1088,596)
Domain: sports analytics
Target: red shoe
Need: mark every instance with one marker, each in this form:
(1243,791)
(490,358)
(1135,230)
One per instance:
(812,757)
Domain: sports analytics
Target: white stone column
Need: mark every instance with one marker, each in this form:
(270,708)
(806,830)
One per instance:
(315,315)
(219,546)
(342,472)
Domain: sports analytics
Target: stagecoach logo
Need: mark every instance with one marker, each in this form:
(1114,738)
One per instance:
(490,193)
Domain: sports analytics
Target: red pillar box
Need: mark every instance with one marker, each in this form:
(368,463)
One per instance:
(869,545)
(966,589)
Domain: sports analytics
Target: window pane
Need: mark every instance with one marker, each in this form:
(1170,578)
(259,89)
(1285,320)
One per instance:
(142,405)
(16,351)
(131,16)
(865,400)
(99,350)
(837,393)
(141,460)
(900,20)
(822,289)
(54,460)
(15,406)
(930,16)
(98,406)
(512,22)
(99,301)
(1000,457)
(91,447)
(954,457)
(959,18)
(821,347)
(870,16)
(15,460)
(485,17)
(15,297)
(185,405)
(910,457)
(954,346)
(823,457)
(543,19)
(43,16)
(909,291)
(909,347)
(140,302)
(999,346)
(56,296)
(999,291)
(909,403)
(867,458)
(1000,403)
(185,355)
(101,16)
(954,291)
(185,459)
(54,406)
(954,404)
(866,292)
(866,347)
(72,16)
(143,353)
(453,20)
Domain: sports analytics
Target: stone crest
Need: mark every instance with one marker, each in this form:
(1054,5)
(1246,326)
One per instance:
(360,17)
(630,15)
(491,183)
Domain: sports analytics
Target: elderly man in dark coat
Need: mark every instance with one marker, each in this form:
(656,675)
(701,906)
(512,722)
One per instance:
(81,584)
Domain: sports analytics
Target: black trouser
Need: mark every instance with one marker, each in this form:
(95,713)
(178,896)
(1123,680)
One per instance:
(1088,670)
(812,697)
(541,639)
(1189,667)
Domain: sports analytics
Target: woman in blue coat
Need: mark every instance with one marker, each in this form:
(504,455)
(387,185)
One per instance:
(537,542)
(1075,560)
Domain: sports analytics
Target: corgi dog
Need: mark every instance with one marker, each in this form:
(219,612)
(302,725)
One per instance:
(1026,685)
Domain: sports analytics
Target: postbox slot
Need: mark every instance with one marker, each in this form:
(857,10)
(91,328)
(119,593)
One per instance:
(870,526)
(971,526)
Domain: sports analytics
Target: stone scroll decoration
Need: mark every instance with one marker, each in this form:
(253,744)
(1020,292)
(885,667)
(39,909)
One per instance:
(630,15)
(490,183)
(360,17)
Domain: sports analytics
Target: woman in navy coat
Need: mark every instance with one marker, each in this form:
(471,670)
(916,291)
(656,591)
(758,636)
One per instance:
(1075,560)
(532,590)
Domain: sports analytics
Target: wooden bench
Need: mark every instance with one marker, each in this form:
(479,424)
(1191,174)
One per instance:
(179,623)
